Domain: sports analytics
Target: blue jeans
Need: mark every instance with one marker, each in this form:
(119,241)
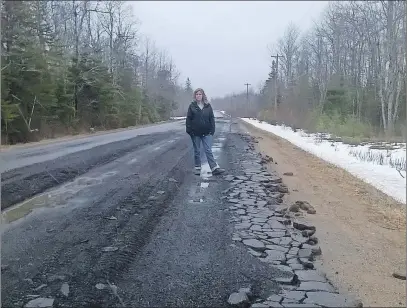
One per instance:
(207,145)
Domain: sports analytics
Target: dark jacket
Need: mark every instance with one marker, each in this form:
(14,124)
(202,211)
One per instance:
(200,122)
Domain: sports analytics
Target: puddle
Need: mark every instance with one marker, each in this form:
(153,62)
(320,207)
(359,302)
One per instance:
(108,174)
(198,200)
(134,160)
(41,201)
(54,198)
(206,172)
(37,153)
(82,182)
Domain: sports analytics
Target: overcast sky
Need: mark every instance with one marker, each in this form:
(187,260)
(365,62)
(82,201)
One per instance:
(221,45)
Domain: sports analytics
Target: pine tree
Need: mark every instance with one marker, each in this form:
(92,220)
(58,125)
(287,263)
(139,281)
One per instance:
(188,87)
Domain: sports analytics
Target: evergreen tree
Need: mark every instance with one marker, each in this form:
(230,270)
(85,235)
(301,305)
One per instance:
(188,87)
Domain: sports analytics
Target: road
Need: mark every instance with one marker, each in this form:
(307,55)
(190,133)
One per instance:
(121,220)
(19,157)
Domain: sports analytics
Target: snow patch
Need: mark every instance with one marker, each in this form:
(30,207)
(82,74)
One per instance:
(381,165)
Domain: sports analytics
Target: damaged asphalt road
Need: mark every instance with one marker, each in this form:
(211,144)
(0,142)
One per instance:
(125,223)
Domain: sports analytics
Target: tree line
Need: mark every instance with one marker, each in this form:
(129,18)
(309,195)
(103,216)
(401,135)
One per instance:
(73,66)
(346,75)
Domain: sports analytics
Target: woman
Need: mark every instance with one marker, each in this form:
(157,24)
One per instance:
(200,125)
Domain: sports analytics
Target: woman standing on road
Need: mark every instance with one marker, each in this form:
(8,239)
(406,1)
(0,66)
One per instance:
(200,125)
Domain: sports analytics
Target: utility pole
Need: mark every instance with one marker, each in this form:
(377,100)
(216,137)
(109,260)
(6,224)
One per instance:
(276,84)
(247,95)
(405,55)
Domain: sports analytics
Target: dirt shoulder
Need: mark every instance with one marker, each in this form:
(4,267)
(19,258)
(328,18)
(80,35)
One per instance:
(361,231)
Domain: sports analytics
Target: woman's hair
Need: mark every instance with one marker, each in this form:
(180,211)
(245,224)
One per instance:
(204,99)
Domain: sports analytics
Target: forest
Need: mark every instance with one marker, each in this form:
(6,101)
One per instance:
(70,67)
(346,75)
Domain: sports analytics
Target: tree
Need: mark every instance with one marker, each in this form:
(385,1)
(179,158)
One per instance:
(188,87)
(348,68)
(352,61)
(72,65)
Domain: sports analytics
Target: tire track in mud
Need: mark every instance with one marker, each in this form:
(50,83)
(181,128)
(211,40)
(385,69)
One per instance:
(22,183)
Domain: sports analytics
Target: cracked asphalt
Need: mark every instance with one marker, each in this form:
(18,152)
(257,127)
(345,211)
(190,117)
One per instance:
(123,222)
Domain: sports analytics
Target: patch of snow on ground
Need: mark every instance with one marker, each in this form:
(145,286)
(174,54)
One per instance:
(218,114)
(178,118)
(374,166)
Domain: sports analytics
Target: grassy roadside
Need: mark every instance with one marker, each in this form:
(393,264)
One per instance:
(349,130)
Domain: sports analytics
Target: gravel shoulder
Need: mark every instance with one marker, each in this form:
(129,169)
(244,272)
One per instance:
(361,230)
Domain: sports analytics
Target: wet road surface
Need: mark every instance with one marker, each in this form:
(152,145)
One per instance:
(122,221)
(19,157)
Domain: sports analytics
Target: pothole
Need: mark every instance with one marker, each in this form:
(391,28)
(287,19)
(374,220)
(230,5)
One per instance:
(204,185)
(54,198)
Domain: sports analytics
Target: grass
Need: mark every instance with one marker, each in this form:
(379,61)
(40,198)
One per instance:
(352,132)
(380,158)
(373,139)
(348,130)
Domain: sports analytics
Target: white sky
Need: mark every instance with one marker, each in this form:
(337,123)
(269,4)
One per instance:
(221,45)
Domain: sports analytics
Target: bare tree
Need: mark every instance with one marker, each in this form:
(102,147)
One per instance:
(288,47)
(349,67)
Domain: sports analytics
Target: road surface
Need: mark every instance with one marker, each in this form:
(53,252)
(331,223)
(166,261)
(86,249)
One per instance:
(133,193)
(120,220)
(20,157)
